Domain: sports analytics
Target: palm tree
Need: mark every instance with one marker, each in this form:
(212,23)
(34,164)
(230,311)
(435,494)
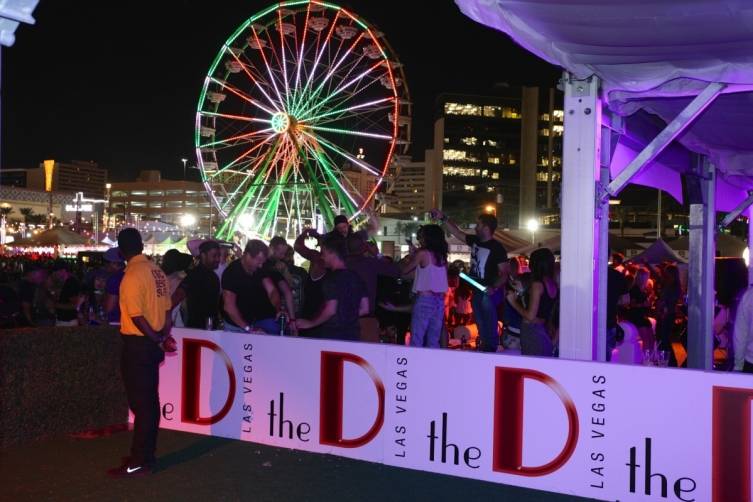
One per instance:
(27,212)
(5,210)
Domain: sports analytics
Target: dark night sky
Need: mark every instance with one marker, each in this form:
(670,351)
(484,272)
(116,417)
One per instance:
(116,85)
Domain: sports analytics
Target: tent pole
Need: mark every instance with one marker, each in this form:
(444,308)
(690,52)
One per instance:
(701,271)
(750,247)
(581,169)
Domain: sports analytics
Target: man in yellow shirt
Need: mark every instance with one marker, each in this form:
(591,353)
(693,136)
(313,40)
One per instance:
(145,328)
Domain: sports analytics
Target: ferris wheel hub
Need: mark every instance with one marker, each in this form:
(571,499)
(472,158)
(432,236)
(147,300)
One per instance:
(282,122)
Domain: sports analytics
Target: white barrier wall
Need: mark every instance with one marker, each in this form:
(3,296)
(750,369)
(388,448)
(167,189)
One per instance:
(590,429)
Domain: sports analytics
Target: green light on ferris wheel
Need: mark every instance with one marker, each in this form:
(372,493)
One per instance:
(280,122)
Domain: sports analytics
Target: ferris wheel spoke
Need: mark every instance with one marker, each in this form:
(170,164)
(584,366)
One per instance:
(255,81)
(238,137)
(351,133)
(241,95)
(330,169)
(347,109)
(269,70)
(319,54)
(314,94)
(340,89)
(243,156)
(336,149)
(242,118)
(303,45)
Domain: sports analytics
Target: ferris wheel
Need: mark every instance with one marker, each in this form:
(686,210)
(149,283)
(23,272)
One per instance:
(298,120)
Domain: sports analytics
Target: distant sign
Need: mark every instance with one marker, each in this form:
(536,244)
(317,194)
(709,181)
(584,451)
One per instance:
(84,208)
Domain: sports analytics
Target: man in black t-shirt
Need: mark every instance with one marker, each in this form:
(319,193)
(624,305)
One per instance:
(345,297)
(249,296)
(201,289)
(34,276)
(69,299)
(490,267)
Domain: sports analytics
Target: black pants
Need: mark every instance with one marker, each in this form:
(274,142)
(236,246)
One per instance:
(140,366)
(747,367)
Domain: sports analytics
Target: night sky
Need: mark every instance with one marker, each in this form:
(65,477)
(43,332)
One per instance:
(119,86)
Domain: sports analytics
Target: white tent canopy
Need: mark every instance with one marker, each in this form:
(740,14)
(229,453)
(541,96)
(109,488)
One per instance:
(654,57)
(654,89)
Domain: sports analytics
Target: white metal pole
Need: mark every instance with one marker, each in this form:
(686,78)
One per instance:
(701,271)
(581,169)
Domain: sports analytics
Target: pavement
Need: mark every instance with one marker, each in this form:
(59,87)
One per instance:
(193,467)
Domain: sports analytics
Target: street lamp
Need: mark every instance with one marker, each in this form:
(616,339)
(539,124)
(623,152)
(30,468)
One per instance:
(533,226)
(489,209)
(184,168)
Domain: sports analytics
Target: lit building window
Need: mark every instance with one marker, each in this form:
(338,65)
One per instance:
(446,140)
(138,204)
(492,111)
(495,176)
(469,188)
(485,173)
(119,193)
(544,117)
(155,204)
(462,109)
(494,160)
(174,192)
(489,189)
(543,132)
(559,115)
(470,141)
(451,154)
(458,171)
(157,193)
(491,142)
(558,130)
(360,155)
(138,192)
(512,161)
(174,203)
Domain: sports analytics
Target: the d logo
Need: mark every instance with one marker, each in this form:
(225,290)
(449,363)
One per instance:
(192,382)
(508,422)
(331,400)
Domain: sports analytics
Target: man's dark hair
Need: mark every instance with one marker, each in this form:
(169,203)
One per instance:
(254,247)
(355,246)
(336,245)
(129,242)
(207,246)
(618,259)
(488,220)
(277,241)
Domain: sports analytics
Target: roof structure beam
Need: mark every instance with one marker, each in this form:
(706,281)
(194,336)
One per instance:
(679,124)
(733,215)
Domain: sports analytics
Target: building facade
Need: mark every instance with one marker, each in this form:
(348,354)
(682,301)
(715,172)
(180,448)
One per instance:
(151,198)
(415,188)
(75,176)
(498,154)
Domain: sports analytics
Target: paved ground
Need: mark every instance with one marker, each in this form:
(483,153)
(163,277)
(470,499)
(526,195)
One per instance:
(204,468)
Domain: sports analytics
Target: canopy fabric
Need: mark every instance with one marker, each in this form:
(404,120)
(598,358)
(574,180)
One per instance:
(653,57)
(57,236)
(726,245)
(658,252)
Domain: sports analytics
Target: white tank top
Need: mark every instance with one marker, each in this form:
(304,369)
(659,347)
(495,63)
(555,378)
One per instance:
(430,278)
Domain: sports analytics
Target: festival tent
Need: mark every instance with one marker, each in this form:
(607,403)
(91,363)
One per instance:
(726,245)
(655,91)
(554,243)
(57,236)
(658,252)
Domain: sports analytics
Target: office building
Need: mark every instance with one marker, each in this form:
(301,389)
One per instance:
(152,198)
(498,153)
(414,188)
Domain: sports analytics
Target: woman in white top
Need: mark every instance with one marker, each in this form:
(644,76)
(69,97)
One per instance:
(429,286)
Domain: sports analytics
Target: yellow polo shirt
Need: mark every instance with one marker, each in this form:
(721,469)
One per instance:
(143,292)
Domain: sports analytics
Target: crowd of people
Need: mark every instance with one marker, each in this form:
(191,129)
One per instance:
(347,289)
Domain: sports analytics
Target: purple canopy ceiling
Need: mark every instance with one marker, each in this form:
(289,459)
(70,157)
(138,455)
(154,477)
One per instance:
(652,56)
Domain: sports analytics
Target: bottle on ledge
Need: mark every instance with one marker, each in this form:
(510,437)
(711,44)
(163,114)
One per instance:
(283,321)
